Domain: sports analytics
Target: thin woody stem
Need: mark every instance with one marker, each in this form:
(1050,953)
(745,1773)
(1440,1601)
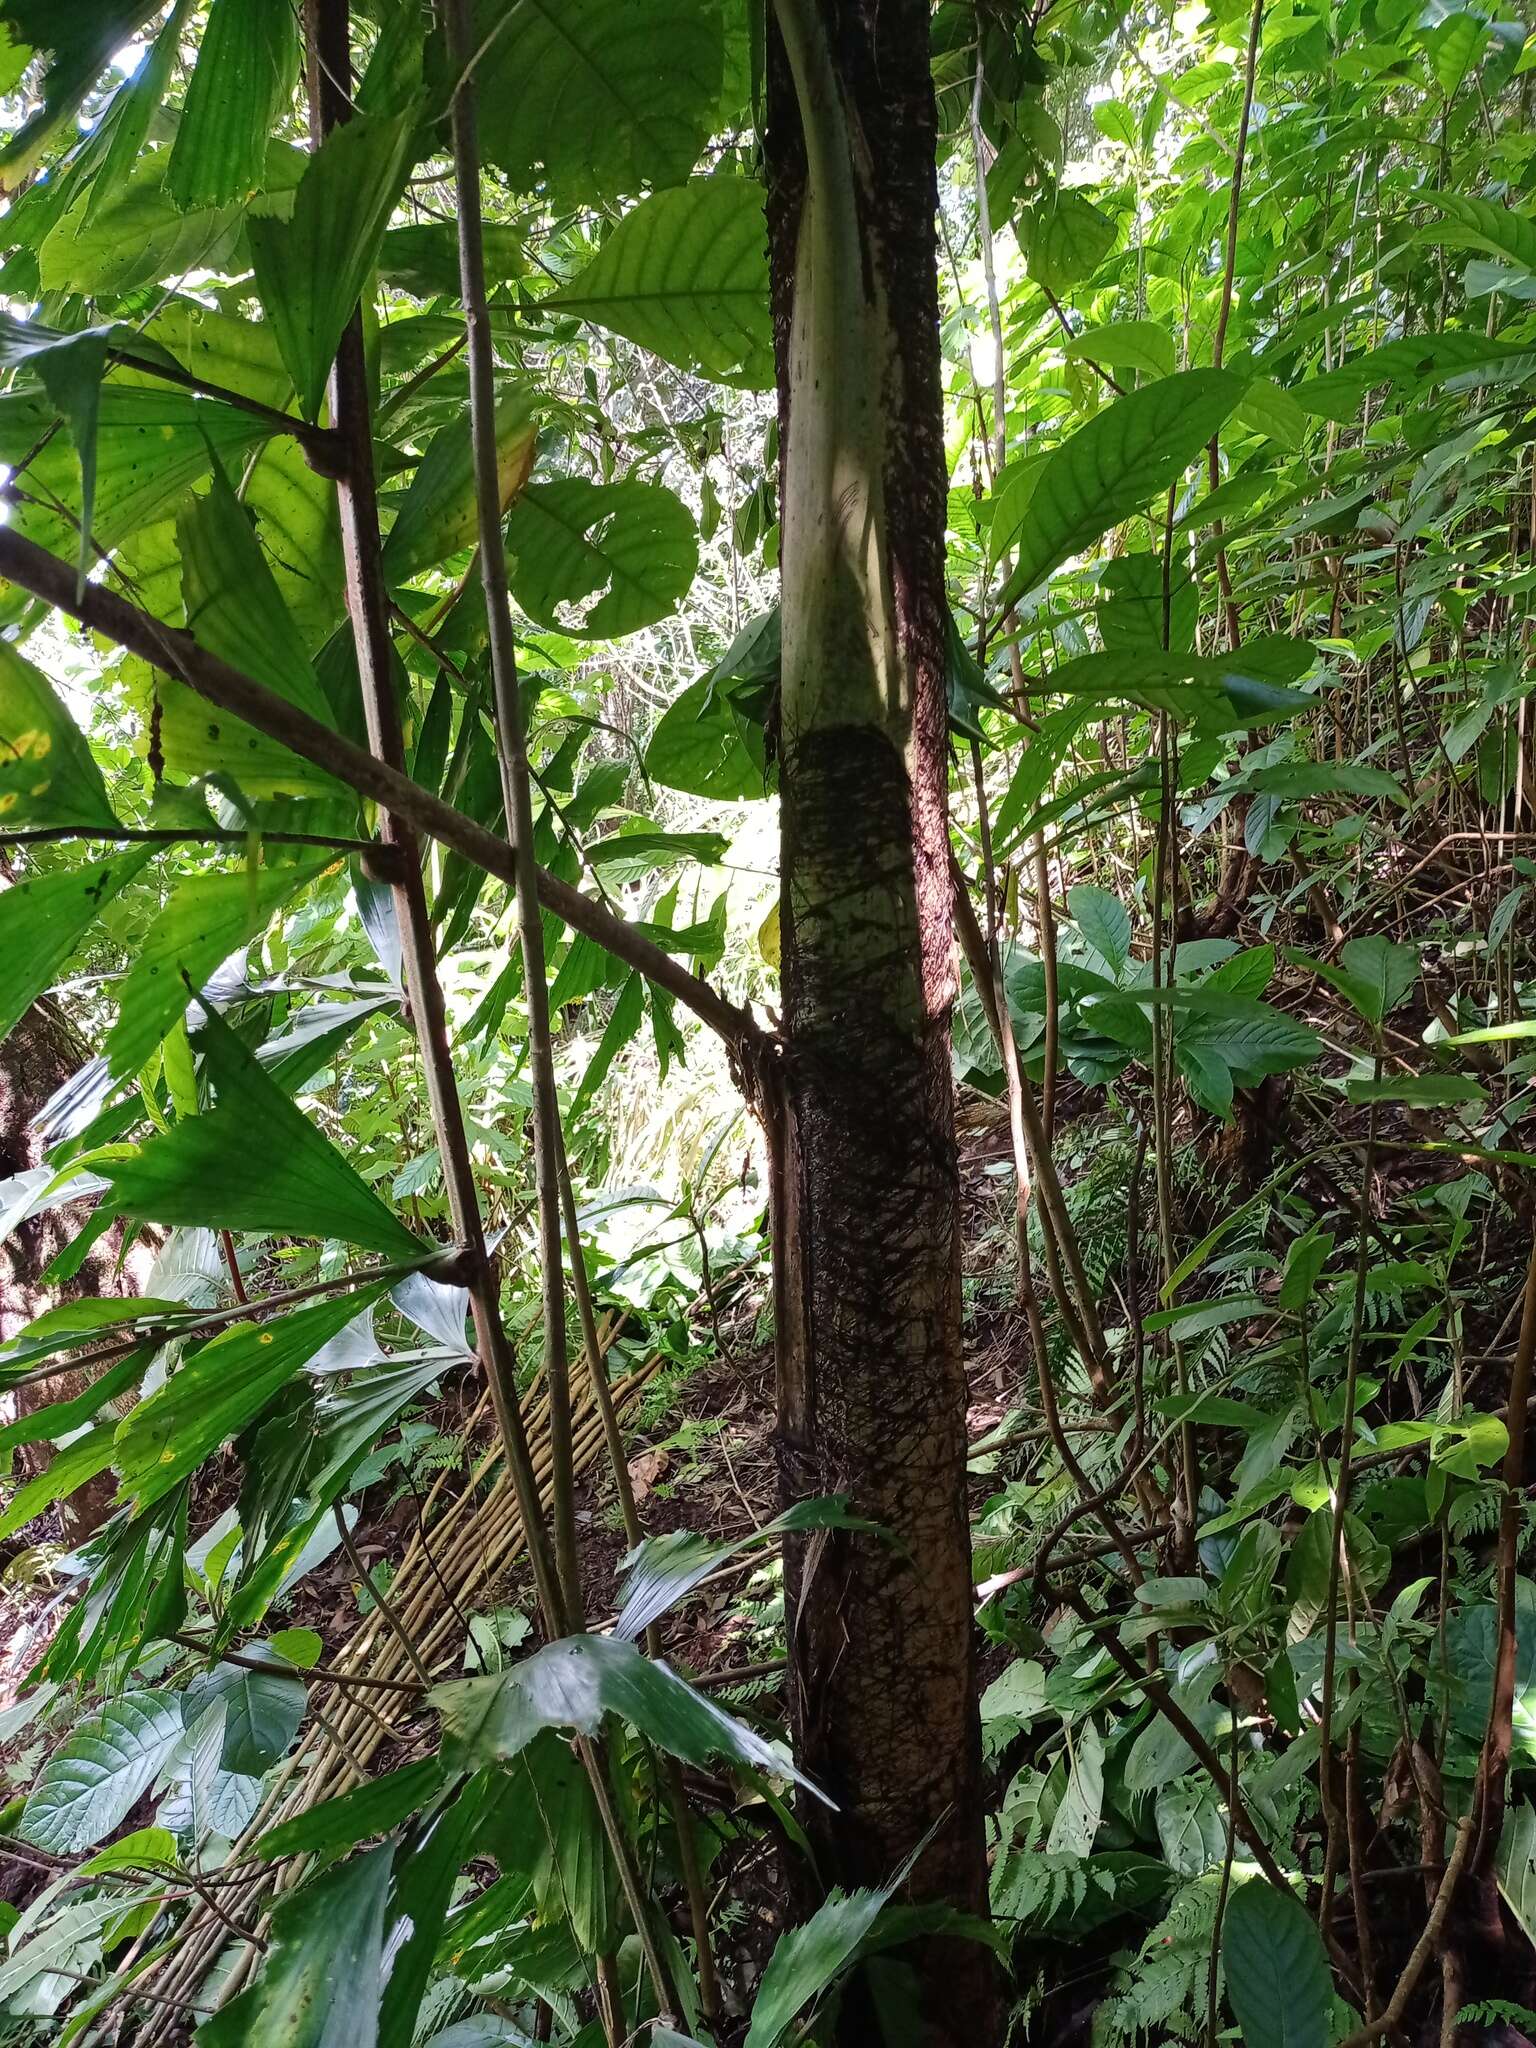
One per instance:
(326,23)
(48,577)
(512,755)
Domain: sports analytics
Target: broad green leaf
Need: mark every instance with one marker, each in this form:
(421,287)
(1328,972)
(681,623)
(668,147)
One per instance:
(137,102)
(626,856)
(631,546)
(61,1418)
(151,444)
(1125,345)
(1425,1091)
(71,1468)
(1131,613)
(1114,466)
(301,1647)
(1410,364)
(685,274)
(699,745)
(1104,922)
(1304,1261)
(1473,223)
(1077,1818)
(221,1387)
(262,1710)
(207,919)
(323,1972)
(1270,409)
(47,776)
(205,1171)
(437,516)
(222,350)
(597,99)
(356,1816)
(424,260)
(108,246)
(665,1569)
(1323,778)
(80,40)
(42,920)
(246,65)
(311,270)
(574,1683)
(70,368)
(1191,1828)
(424,1880)
(1221,691)
(708,743)
(300,533)
(1472,1651)
(232,607)
(1277,1975)
(806,1960)
(1453,43)
(1380,974)
(89,1786)
(1517,1867)
(1064,238)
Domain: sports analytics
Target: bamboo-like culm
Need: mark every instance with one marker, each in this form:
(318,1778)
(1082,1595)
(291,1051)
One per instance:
(464,1548)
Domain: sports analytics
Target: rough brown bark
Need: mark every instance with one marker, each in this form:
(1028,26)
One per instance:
(871,1383)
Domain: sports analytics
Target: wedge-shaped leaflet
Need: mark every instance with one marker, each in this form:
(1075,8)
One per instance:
(207,918)
(111,243)
(70,368)
(43,919)
(573,1684)
(47,776)
(219,1389)
(234,609)
(151,443)
(254,1162)
(79,42)
(323,1973)
(246,66)
(369,1809)
(685,274)
(311,270)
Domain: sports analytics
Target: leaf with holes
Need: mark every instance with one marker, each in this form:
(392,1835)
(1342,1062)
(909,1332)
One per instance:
(597,99)
(631,546)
